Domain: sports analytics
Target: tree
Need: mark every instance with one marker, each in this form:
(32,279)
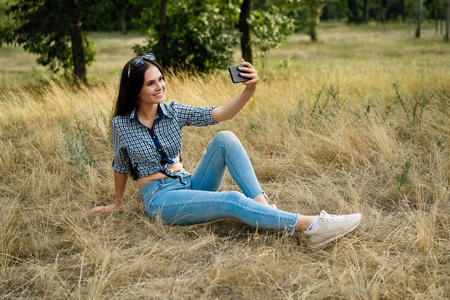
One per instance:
(111,14)
(270,27)
(76,36)
(265,26)
(198,36)
(314,10)
(6,23)
(354,12)
(244,28)
(315,7)
(419,18)
(47,28)
(447,20)
(307,13)
(162,32)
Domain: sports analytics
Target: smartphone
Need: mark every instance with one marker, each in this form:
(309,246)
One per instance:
(234,73)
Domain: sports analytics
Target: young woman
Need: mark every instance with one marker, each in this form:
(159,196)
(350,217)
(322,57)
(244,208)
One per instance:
(147,143)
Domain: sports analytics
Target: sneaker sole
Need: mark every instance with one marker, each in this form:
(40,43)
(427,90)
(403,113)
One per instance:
(333,238)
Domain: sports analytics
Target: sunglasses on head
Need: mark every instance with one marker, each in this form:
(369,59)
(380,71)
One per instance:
(139,61)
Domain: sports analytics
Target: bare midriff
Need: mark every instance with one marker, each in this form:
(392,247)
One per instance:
(143,181)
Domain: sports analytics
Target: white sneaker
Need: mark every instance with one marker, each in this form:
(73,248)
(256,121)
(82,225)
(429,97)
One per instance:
(332,227)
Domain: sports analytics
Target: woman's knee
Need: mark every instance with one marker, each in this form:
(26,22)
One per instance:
(236,197)
(226,137)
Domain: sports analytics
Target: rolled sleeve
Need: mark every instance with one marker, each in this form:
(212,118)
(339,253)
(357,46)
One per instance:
(189,115)
(121,161)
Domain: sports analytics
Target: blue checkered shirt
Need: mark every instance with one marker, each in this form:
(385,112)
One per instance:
(134,148)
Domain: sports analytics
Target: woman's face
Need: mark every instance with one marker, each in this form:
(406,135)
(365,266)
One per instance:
(152,92)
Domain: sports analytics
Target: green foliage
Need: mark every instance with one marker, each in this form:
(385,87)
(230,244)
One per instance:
(106,15)
(325,98)
(199,37)
(79,136)
(414,106)
(270,27)
(402,178)
(325,105)
(358,12)
(76,148)
(6,21)
(43,29)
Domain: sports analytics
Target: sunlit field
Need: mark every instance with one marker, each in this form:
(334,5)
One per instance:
(359,122)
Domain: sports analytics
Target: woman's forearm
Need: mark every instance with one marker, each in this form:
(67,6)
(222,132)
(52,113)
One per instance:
(229,110)
(120,182)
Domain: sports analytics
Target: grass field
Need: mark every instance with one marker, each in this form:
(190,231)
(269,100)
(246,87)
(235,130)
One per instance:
(358,122)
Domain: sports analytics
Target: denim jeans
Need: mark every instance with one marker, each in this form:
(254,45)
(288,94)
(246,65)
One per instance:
(198,200)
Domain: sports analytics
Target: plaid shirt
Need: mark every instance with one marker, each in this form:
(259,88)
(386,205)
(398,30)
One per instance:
(134,147)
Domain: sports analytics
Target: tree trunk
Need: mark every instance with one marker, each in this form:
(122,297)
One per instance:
(419,19)
(79,62)
(383,18)
(162,34)
(314,10)
(365,19)
(123,24)
(447,20)
(436,20)
(244,28)
(353,12)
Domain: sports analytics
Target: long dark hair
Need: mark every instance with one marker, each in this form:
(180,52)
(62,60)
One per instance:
(130,85)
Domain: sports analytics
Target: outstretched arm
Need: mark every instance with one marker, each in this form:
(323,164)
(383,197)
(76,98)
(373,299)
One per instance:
(120,182)
(229,110)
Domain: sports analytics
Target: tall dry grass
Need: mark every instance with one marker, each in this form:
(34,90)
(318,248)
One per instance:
(338,139)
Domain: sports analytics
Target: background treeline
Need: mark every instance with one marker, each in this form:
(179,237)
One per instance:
(191,35)
(350,11)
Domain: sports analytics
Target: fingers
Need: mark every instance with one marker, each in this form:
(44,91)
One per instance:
(247,64)
(100,210)
(252,76)
(96,210)
(248,71)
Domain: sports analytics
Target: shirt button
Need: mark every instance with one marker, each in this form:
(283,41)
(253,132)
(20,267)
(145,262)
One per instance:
(159,150)
(154,137)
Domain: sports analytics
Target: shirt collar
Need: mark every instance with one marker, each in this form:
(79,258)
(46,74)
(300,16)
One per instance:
(162,112)
(133,114)
(163,109)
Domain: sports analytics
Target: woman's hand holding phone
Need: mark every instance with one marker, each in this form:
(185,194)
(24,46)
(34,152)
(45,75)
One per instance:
(245,74)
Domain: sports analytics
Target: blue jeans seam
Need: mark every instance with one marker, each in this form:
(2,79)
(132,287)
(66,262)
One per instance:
(208,202)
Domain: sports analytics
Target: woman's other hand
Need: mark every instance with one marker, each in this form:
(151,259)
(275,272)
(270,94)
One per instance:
(103,209)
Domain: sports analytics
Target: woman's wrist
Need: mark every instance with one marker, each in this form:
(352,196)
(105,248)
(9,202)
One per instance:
(250,89)
(117,203)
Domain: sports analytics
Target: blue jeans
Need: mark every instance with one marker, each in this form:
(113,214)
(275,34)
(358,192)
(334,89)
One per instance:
(199,201)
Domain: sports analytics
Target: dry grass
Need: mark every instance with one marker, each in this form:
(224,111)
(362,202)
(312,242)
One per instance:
(348,154)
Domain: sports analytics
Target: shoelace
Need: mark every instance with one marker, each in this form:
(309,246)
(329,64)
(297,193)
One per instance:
(325,217)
